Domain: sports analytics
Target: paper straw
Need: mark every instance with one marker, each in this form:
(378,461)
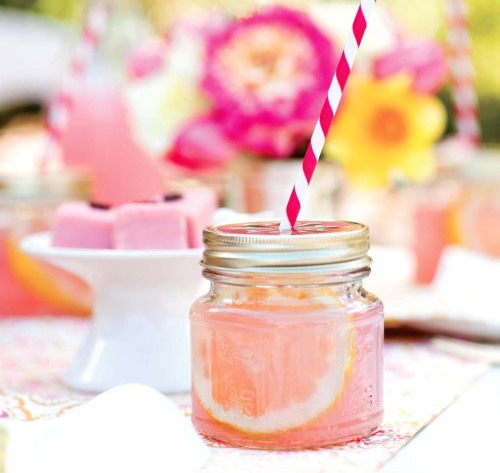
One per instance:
(462,71)
(59,110)
(327,115)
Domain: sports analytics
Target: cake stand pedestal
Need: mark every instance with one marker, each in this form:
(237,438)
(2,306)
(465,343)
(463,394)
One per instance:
(140,326)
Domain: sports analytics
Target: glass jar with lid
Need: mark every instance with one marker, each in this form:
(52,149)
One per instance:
(287,344)
(27,205)
(474,219)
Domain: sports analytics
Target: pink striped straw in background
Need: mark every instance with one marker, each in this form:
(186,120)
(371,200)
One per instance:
(327,115)
(59,109)
(462,71)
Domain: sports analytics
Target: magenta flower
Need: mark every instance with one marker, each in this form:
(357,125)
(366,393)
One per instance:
(267,76)
(201,144)
(268,139)
(423,59)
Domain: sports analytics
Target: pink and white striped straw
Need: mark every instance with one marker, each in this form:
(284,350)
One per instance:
(327,115)
(59,110)
(462,71)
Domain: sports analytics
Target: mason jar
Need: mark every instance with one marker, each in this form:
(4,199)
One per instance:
(27,205)
(475,217)
(287,345)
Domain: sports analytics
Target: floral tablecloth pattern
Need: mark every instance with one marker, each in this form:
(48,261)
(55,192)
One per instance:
(419,384)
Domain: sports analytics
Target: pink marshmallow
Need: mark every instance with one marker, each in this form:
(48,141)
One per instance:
(150,226)
(79,225)
(199,204)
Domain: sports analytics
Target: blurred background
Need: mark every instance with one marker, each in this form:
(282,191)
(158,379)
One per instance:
(121,100)
(26,23)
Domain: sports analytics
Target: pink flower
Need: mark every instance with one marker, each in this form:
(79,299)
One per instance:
(201,144)
(424,59)
(265,74)
(268,139)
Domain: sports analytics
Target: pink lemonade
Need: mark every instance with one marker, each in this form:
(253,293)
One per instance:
(30,287)
(99,137)
(14,298)
(27,286)
(287,344)
(291,376)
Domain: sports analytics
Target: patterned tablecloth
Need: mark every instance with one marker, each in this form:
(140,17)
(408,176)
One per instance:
(419,384)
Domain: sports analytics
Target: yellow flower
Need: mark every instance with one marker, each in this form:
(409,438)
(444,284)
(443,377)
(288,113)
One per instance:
(384,131)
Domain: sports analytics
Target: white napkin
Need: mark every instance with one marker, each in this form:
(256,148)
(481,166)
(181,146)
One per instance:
(128,429)
(468,282)
(459,301)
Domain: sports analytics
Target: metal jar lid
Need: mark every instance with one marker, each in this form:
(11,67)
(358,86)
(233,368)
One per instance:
(313,246)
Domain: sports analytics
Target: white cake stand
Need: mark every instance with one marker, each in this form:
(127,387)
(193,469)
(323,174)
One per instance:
(140,325)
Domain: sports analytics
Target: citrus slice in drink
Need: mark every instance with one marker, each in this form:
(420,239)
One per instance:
(62,291)
(263,368)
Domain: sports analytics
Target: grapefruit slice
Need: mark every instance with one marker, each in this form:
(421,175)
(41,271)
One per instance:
(262,368)
(62,291)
